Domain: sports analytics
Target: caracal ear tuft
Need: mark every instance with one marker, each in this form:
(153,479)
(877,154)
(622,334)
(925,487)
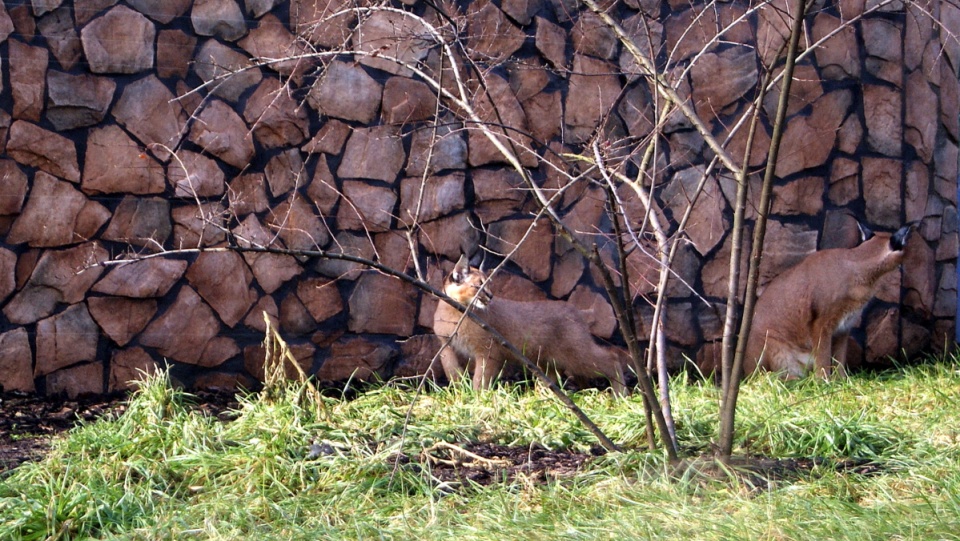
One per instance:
(461,269)
(899,239)
(865,232)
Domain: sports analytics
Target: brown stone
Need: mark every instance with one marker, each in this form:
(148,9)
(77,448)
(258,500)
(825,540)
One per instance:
(883,40)
(418,358)
(921,118)
(6,24)
(297,225)
(499,193)
(840,230)
(16,361)
(884,126)
(149,111)
(61,35)
(773,28)
(8,265)
(437,150)
(323,189)
(797,197)
(329,139)
(75,101)
(592,93)
(808,140)
(394,250)
(195,175)
(120,41)
(850,135)
(916,191)
(945,303)
(285,172)
(198,225)
(313,20)
(259,7)
(373,153)
(270,270)
(370,207)
(247,194)
(277,118)
(881,190)
(591,36)
(883,330)
(497,106)
(121,318)
(950,102)
(837,56)
(183,331)
(708,219)
(221,132)
(76,381)
(533,255)
(678,324)
(162,11)
(174,52)
(129,367)
(383,305)
(227,72)
(919,275)
(450,236)
(265,307)
(220,18)
(142,279)
(56,214)
(388,35)
(406,100)
(28,66)
(784,246)
(84,10)
(596,310)
(13,187)
(491,35)
(141,221)
(346,91)
(320,297)
(544,114)
(23,21)
(356,359)
(34,146)
(551,41)
(223,280)
(720,80)
(271,41)
(115,164)
(67,338)
(346,243)
(844,181)
(647,34)
(294,317)
(429,198)
(804,91)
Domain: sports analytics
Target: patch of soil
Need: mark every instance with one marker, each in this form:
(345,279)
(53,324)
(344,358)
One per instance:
(487,463)
(28,423)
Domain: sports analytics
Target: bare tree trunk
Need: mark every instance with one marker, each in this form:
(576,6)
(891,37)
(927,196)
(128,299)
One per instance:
(731,387)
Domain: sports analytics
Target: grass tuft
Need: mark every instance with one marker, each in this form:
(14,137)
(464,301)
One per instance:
(296,465)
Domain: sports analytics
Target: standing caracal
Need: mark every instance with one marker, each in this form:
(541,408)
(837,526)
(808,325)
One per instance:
(803,318)
(551,333)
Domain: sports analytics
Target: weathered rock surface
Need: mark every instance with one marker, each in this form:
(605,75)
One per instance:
(114,164)
(195,175)
(391,39)
(148,110)
(285,172)
(67,338)
(382,304)
(129,366)
(357,359)
(121,318)
(313,20)
(276,117)
(370,207)
(16,361)
(13,187)
(56,214)
(220,18)
(174,52)
(34,146)
(221,132)
(491,35)
(75,101)
(75,381)
(120,41)
(430,198)
(884,127)
(184,330)
(270,270)
(594,87)
(346,91)
(62,38)
(162,11)
(223,280)
(28,65)
(320,297)
(497,105)
(437,151)
(808,140)
(248,194)
(142,279)
(141,221)
(297,225)
(198,225)
(533,255)
(227,72)
(374,153)
(406,100)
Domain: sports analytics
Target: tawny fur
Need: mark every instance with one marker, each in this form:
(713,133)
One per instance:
(551,333)
(804,316)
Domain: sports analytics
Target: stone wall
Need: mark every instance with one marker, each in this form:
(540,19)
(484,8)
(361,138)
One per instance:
(110,152)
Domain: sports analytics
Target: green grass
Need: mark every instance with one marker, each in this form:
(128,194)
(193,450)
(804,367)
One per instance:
(162,471)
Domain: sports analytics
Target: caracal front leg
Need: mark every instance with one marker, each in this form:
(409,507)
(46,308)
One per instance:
(484,372)
(453,365)
(823,354)
(839,348)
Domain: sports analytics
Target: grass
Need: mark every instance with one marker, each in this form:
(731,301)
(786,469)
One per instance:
(163,471)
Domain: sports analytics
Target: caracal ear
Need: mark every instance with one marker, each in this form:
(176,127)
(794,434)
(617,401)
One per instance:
(865,232)
(899,239)
(461,269)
